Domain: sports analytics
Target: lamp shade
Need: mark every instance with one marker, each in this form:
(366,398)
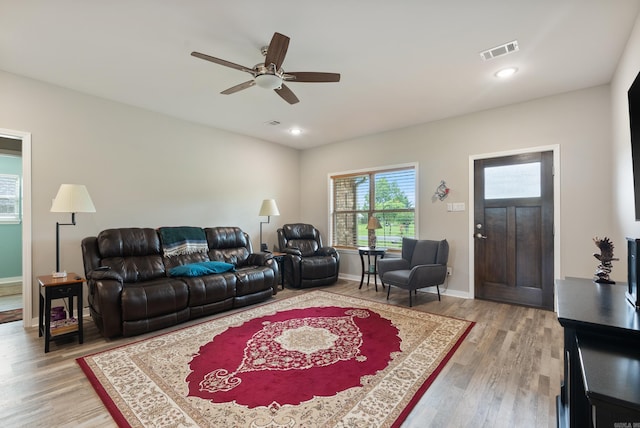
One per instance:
(73,198)
(374,223)
(269,208)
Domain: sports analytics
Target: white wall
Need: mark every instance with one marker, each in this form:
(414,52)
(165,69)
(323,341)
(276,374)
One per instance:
(579,122)
(145,169)
(622,171)
(142,169)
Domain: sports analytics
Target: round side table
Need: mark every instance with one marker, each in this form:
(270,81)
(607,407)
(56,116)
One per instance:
(372,268)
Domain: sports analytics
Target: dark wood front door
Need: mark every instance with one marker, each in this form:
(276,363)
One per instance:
(513,233)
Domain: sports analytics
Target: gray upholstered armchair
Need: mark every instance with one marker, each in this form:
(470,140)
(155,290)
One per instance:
(423,264)
(307,262)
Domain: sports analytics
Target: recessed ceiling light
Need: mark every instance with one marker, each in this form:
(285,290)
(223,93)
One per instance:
(295,131)
(506,72)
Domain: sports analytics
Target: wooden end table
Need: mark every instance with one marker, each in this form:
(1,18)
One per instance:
(279,258)
(372,268)
(52,288)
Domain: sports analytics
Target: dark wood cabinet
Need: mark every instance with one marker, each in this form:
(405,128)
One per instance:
(601,385)
(633,262)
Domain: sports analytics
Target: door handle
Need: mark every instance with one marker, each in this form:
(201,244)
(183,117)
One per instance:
(479,235)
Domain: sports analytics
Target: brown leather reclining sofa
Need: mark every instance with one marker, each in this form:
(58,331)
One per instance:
(133,289)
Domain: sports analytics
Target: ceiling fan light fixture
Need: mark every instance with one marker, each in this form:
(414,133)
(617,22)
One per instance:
(269,81)
(269,73)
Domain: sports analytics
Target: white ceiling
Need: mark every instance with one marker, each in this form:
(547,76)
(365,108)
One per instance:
(402,62)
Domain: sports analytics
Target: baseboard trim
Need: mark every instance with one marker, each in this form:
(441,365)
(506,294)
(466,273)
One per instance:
(10,280)
(444,291)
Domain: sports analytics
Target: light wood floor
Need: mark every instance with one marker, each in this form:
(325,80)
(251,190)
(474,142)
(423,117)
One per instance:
(13,301)
(506,373)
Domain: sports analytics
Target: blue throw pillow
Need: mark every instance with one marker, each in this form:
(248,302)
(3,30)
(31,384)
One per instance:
(200,269)
(219,267)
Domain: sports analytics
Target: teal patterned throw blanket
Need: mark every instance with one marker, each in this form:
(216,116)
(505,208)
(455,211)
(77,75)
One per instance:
(182,240)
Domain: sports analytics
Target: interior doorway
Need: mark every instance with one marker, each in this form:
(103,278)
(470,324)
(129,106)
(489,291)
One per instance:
(27,291)
(10,230)
(514,228)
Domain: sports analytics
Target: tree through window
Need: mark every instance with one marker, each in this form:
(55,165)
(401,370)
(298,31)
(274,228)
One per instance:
(393,192)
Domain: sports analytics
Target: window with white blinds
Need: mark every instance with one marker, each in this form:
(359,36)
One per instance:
(387,194)
(9,198)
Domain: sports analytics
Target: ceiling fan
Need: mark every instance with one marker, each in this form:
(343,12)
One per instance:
(269,74)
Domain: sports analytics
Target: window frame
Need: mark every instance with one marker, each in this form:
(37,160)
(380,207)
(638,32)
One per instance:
(16,217)
(372,172)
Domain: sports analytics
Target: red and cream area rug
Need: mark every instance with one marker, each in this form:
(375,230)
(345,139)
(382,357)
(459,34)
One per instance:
(314,360)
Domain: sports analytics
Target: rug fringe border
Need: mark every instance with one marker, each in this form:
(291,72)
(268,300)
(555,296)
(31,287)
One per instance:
(432,377)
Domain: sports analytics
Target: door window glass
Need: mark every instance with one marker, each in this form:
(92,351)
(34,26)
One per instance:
(512,181)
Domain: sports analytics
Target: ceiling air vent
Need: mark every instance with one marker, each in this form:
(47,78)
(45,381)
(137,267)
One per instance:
(501,50)
(272,122)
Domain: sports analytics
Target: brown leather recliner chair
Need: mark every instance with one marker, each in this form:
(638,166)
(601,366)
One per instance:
(307,262)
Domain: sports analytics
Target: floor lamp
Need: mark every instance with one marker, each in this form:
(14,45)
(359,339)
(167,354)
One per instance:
(267,209)
(71,198)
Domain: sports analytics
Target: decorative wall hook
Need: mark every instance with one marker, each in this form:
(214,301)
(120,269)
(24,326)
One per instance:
(442,191)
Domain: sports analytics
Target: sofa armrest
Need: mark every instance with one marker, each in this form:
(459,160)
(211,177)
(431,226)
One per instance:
(328,251)
(105,299)
(293,251)
(104,273)
(259,259)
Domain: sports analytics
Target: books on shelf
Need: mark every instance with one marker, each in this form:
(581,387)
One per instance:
(58,313)
(64,326)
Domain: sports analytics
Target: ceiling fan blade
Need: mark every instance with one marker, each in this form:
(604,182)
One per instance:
(223,62)
(239,87)
(277,50)
(309,76)
(287,94)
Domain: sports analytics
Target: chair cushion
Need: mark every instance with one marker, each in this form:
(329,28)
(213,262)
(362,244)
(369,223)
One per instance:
(399,278)
(128,242)
(443,252)
(153,298)
(408,244)
(424,253)
(307,247)
(132,253)
(251,280)
(228,244)
(318,267)
(211,289)
(300,231)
